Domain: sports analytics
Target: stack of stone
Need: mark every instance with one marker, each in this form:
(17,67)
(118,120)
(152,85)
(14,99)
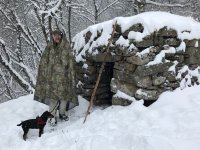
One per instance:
(129,70)
(88,76)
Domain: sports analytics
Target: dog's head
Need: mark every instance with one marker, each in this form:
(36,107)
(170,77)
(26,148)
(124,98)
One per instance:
(47,114)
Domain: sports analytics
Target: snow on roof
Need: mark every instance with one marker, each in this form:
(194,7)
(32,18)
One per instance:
(186,27)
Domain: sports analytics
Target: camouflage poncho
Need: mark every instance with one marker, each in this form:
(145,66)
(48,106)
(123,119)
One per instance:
(55,78)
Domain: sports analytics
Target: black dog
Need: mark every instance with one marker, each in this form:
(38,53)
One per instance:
(37,123)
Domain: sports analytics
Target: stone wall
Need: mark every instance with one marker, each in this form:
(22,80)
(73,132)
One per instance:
(87,79)
(141,69)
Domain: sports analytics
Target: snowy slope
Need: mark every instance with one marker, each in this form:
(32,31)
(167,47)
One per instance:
(171,123)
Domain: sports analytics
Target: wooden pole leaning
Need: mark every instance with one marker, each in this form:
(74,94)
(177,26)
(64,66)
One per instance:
(100,71)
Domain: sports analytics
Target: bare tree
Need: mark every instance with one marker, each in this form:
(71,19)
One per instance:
(93,9)
(26,28)
(140,6)
(29,24)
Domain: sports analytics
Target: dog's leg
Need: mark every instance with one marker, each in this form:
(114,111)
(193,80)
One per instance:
(56,120)
(41,131)
(25,133)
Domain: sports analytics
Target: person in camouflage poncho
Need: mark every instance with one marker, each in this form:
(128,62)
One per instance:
(56,77)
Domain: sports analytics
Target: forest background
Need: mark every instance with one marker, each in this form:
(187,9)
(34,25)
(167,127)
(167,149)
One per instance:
(26,28)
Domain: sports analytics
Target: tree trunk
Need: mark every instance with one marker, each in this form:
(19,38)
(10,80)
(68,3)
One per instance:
(69,21)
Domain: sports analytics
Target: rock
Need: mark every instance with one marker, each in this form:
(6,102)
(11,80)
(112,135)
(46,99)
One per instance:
(124,76)
(192,43)
(193,67)
(90,70)
(87,36)
(147,94)
(120,101)
(124,51)
(153,69)
(192,56)
(194,80)
(158,80)
(179,58)
(153,87)
(124,66)
(146,42)
(136,27)
(104,57)
(170,76)
(115,38)
(98,35)
(139,81)
(158,41)
(143,82)
(167,32)
(137,60)
(126,88)
(79,91)
(170,56)
(174,57)
(118,29)
(144,58)
(173,85)
(172,42)
(155,49)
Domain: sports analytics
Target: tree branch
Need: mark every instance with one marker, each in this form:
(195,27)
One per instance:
(165,4)
(103,10)
(7,63)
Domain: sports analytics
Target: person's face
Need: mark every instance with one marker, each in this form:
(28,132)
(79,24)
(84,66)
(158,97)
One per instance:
(57,38)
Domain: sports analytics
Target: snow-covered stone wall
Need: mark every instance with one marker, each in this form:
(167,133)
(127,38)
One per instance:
(151,53)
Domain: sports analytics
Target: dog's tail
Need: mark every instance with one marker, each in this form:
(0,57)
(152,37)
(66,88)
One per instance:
(19,124)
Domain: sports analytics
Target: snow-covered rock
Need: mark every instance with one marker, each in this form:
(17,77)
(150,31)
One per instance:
(154,44)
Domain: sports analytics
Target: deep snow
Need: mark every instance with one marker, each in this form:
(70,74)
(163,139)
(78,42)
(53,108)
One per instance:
(171,123)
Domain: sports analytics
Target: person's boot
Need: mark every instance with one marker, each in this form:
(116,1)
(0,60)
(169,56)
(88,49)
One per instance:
(64,117)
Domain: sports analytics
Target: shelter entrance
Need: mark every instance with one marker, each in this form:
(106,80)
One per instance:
(103,94)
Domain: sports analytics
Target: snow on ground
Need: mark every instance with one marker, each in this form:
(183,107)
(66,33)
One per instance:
(171,123)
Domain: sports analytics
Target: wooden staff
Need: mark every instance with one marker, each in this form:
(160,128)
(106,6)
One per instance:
(100,71)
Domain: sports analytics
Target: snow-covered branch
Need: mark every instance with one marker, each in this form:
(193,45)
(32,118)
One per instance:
(159,4)
(7,63)
(164,4)
(18,25)
(27,72)
(86,17)
(88,11)
(7,16)
(27,33)
(52,11)
(7,87)
(41,22)
(110,5)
